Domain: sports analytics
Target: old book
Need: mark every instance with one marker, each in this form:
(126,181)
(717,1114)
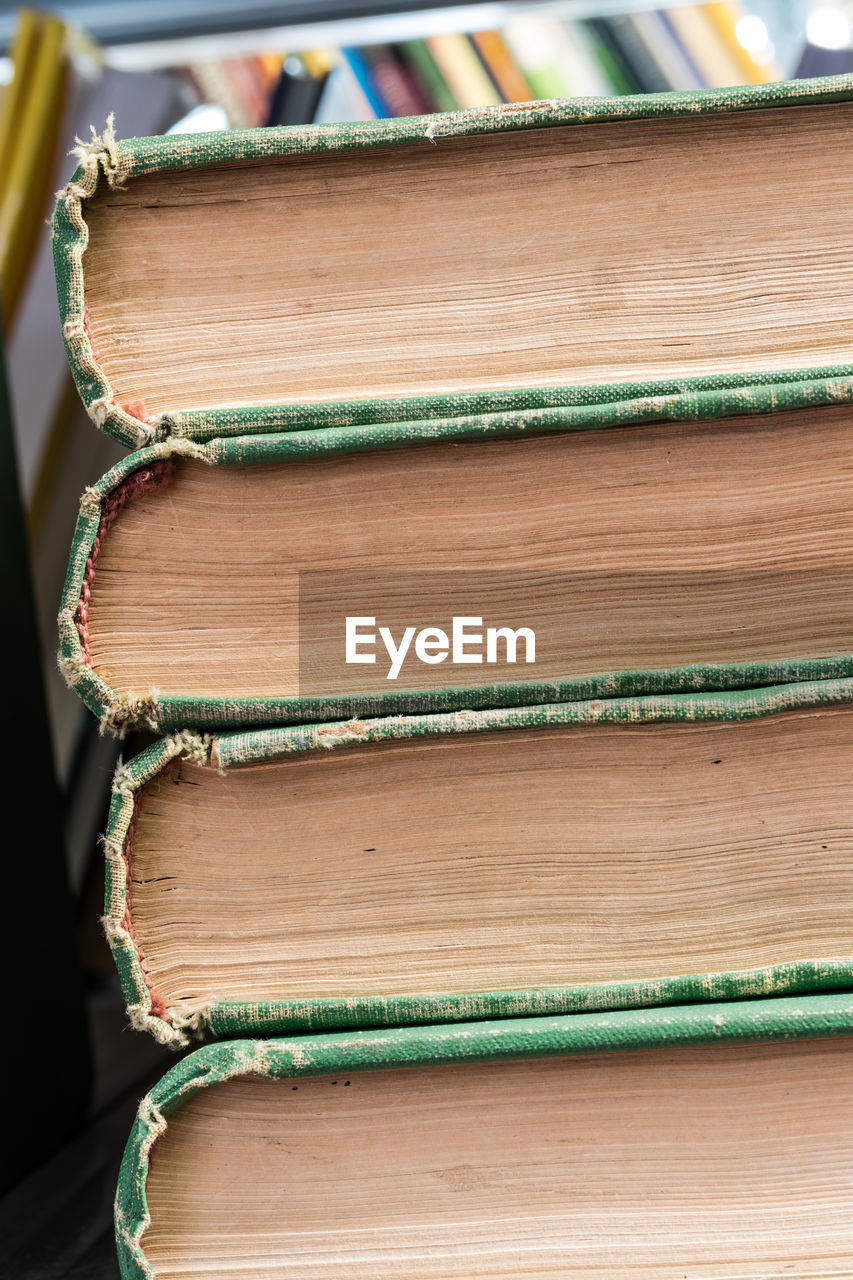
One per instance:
(536,860)
(310,575)
(503,258)
(717,1143)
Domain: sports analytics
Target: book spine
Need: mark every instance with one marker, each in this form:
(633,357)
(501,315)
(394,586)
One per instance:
(296,95)
(577,52)
(463,71)
(611,65)
(607,37)
(667,51)
(428,75)
(23,55)
(397,87)
(530,41)
(501,66)
(634,53)
(350,97)
(705,48)
(360,68)
(724,17)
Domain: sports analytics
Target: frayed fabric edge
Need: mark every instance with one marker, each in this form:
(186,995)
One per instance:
(170,1026)
(132,1220)
(101,158)
(116,712)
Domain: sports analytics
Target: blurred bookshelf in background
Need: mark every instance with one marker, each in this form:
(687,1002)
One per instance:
(260,66)
(205,65)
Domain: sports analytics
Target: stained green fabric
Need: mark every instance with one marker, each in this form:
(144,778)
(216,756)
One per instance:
(353,1010)
(464,415)
(107,161)
(711,1024)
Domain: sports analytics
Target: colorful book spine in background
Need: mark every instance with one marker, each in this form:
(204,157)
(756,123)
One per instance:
(501,66)
(566,59)
(615,71)
(657,36)
(394,83)
(360,68)
(299,89)
(614,48)
(578,51)
(633,51)
(345,99)
(701,39)
(243,87)
(529,39)
(428,75)
(724,16)
(463,71)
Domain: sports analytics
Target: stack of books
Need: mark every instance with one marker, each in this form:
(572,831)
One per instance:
(483,561)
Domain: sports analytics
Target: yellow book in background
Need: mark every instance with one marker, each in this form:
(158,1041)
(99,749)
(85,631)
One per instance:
(710,54)
(724,18)
(319,62)
(11,103)
(464,72)
(31,147)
